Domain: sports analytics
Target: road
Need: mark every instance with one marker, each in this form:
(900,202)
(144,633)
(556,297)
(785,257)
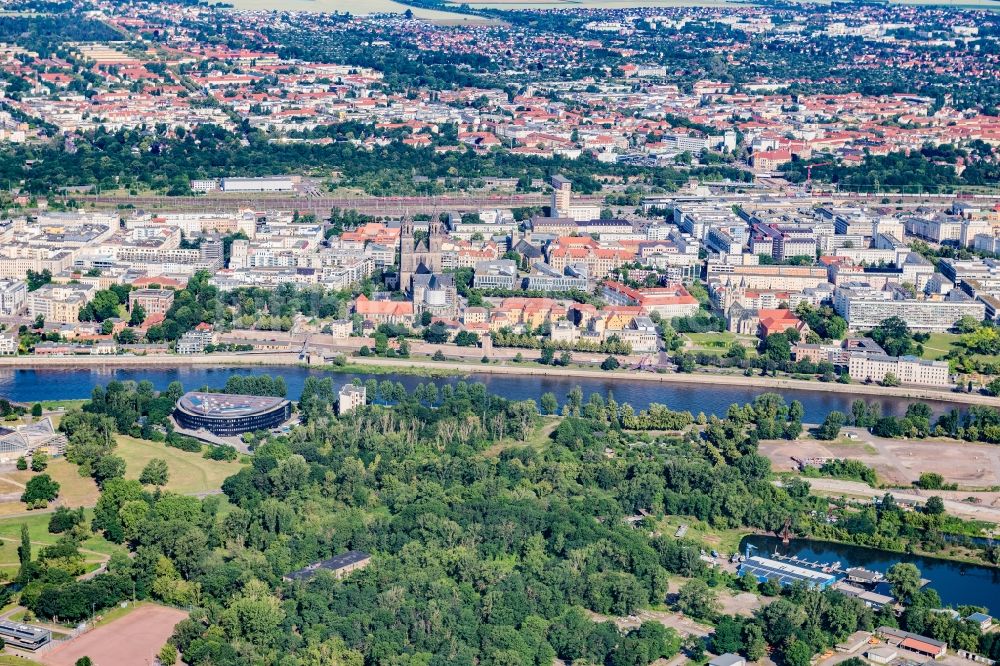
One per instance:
(954,507)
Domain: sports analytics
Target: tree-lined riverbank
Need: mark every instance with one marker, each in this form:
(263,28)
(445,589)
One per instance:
(439,368)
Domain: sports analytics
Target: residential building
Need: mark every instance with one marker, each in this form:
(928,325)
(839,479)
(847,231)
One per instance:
(864,308)
(907,369)
(152,301)
(13,297)
(59,303)
(350,397)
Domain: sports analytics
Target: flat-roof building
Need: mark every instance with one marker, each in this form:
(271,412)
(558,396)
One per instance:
(227,414)
(24,636)
(339,566)
(764,569)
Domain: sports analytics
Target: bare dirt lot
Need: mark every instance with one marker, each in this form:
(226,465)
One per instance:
(899,461)
(129,641)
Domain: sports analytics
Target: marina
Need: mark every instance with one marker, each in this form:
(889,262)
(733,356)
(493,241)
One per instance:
(860,571)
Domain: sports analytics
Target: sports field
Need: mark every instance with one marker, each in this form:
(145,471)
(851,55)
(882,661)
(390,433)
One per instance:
(131,640)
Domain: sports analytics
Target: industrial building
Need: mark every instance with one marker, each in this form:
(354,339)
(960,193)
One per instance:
(227,415)
(274,184)
(922,645)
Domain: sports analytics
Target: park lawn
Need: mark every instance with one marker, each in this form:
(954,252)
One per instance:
(53,405)
(190,473)
(939,345)
(12,660)
(719,342)
(74,490)
(95,549)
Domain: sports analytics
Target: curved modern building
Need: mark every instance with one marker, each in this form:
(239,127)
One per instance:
(226,414)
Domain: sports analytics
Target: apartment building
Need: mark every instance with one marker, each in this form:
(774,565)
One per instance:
(785,278)
(947,230)
(13,297)
(9,343)
(907,369)
(152,301)
(60,303)
(864,308)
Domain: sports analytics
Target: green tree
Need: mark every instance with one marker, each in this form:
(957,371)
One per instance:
(934,506)
(24,549)
(777,347)
(830,428)
(549,403)
(39,461)
(108,467)
(167,655)
(155,473)
(905,580)
(40,488)
(137,316)
(36,410)
(798,653)
(696,599)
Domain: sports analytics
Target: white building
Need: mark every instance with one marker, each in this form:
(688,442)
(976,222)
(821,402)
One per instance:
(864,308)
(272,184)
(351,397)
(13,297)
(907,369)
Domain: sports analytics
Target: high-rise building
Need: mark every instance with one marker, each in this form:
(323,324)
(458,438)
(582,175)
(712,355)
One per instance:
(562,189)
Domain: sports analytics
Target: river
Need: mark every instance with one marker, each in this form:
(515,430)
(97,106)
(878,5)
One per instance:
(33,385)
(956,582)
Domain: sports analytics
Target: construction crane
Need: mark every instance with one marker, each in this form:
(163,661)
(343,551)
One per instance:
(809,171)
(786,532)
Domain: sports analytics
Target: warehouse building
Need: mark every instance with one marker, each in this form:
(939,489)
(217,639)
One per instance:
(275,184)
(922,645)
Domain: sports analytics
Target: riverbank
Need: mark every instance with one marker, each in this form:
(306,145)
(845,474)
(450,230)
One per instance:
(451,368)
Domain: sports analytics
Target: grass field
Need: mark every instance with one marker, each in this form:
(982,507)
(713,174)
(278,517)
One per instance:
(190,474)
(95,549)
(11,660)
(537,440)
(74,490)
(939,345)
(718,342)
(725,541)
